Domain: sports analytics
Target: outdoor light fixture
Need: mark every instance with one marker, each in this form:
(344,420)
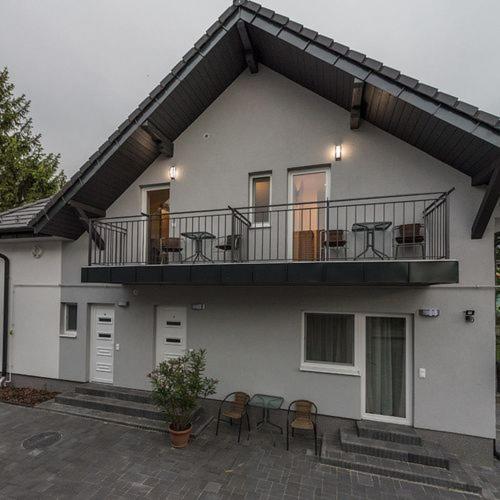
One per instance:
(429,313)
(172,172)
(469,315)
(338,152)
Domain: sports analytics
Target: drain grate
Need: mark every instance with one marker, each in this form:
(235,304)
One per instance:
(41,440)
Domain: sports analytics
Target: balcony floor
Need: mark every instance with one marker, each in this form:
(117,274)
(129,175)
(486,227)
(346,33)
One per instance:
(400,273)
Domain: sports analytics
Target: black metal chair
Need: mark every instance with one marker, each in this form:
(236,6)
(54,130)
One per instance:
(333,239)
(230,243)
(237,410)
(409,235)
(168,246)
(305,414)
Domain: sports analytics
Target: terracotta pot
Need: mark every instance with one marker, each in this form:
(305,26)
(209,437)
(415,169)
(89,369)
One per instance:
(179,439)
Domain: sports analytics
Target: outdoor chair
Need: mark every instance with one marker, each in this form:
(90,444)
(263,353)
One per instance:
(234,409)
(302,415)
(230,243)
(333,239)
(409,235)
(170,246)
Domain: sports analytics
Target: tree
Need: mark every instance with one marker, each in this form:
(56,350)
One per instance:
(26,172)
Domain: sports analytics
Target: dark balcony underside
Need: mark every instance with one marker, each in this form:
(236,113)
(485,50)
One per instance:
(317,273)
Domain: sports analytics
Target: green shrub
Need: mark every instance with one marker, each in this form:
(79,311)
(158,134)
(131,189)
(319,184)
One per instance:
(178,384)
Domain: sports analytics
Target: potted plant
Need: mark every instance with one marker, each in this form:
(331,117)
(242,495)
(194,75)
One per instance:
(178,383)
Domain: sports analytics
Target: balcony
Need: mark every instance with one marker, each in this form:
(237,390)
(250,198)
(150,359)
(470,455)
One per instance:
(401,239)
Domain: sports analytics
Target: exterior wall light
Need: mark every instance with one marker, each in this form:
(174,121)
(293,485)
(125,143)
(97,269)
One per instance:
(429,313)
(172,172)
(469,315)
(338,152)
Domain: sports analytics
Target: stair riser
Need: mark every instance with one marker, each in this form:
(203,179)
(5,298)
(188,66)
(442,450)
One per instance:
(395,455)
(122,396)
(124,410)
(390,436)
(406,476)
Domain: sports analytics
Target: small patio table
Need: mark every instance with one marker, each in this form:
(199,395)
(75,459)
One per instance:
(198,237)
(266,402)
(369,228)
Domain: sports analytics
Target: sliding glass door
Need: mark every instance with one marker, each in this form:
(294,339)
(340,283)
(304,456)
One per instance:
(387,372)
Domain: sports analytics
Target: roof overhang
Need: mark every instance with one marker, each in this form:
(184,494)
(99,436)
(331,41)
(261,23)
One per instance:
(247,34)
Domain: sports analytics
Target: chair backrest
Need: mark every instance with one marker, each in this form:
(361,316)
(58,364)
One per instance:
(240,401)
(304,409)
(335,235)
(410,230)
(171,243)
(233,240)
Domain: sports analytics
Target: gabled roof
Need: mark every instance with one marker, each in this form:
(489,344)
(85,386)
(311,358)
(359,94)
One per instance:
(19,219)
(246,34)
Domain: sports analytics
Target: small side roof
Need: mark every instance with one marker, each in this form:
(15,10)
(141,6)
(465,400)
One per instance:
(19,219)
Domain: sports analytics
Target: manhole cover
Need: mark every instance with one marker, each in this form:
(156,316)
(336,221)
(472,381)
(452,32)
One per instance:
(42,440)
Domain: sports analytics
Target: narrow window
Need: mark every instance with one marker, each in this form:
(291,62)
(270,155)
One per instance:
(260,198)
(70,319)
(329,339)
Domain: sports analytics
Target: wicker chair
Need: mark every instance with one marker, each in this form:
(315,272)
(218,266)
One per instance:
(168,246)
(409,235)
(335,239)
(236,409)
(302,415)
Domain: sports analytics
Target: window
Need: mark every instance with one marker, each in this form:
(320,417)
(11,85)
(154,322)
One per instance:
(329,343)
(70,312)
(260,198)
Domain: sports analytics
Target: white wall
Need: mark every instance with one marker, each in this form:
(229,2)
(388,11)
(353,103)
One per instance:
(35,297)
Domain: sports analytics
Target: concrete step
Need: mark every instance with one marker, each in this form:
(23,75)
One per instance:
(110,391)
(454,478)
(201,421)
(388,432)
(429,454)
(131,408)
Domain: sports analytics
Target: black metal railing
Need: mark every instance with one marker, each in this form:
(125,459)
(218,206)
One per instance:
(377,228)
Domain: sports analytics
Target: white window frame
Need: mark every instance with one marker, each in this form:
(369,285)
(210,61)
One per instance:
(64,332)
(251,178)
(336,368)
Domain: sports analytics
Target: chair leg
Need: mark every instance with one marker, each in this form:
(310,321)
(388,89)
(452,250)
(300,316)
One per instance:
(239,429)
(293,432)
(218,420)
(287,437)
(315,439)
(248,421)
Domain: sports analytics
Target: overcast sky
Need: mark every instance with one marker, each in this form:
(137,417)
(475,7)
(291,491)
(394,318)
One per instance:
(86,64)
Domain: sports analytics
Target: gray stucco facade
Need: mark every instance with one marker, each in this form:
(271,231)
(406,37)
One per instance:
(265,122)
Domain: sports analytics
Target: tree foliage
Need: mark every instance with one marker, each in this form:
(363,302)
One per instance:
(27,173)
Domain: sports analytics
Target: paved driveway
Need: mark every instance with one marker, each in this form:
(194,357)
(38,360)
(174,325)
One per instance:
(98,460)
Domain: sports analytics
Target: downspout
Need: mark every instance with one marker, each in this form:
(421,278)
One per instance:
(5,338)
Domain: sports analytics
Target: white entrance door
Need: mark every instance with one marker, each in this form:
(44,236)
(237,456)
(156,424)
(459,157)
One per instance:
(387,371)
(102,344)
(171,333)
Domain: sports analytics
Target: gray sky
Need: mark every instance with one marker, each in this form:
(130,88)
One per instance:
(86,64)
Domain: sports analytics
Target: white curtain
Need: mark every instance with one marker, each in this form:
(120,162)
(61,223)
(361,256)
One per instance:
(386,366)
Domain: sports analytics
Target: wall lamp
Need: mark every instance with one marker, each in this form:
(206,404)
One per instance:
(338,152)
(172,172)
(469,315)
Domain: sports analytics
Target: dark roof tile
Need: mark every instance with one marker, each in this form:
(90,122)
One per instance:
(214,28)
(356,56)
(167,80)
(293,26)
(324,40)
(408,81)
(278,18)
(487,118)
(448,99)
(255,7)
(466,108)
(177,68)
(226,14)
(266,12)
(310,34)
(390,72)
(189,54)
(341,49)
(201,41)
(372,63)
(426,89)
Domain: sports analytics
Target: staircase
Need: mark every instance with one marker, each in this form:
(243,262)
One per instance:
(119,405)
(395,451)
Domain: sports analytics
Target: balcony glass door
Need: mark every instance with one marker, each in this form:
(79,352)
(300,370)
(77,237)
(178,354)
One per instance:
(307,217)
(387,374)
(156,206)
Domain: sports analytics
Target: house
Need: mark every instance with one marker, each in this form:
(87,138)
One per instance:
(319,222)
